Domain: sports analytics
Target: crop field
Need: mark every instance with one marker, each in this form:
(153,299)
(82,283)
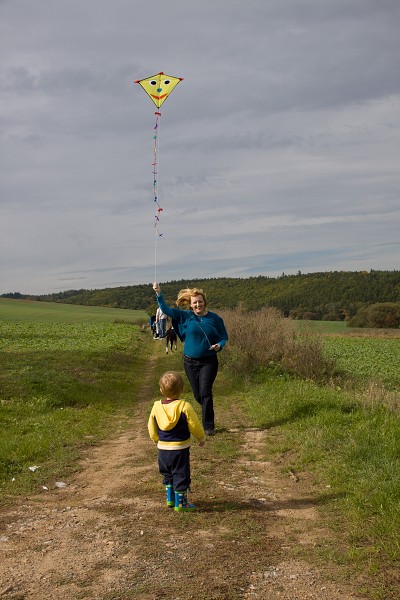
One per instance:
(367,358)
(361,354)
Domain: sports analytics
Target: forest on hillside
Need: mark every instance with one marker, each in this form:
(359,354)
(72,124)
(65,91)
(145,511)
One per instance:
(333,296)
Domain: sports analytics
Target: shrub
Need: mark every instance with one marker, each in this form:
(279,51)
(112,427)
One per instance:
(265,338)
(381,315)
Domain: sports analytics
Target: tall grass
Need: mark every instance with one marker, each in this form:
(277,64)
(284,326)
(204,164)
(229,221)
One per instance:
(265,339)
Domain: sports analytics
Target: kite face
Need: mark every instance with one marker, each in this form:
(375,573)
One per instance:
(159,86)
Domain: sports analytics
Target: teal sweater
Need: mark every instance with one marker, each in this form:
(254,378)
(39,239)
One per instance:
(197,333)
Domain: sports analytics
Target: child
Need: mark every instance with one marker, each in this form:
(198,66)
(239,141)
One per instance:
(171,423)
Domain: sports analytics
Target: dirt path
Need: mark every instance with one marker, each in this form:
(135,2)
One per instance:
(109,535)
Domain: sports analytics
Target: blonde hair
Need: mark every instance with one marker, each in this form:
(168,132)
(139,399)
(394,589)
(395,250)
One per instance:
(171,384)
(183,300)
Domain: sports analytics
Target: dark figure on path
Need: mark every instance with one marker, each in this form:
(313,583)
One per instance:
(171,339)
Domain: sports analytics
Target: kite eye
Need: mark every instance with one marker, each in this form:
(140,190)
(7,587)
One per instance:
(153,82)
(167,81)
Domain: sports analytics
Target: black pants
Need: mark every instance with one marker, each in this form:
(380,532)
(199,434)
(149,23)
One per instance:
(201,374)
(174,466)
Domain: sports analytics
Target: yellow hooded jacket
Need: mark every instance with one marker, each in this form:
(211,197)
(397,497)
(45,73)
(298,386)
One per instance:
(171,425)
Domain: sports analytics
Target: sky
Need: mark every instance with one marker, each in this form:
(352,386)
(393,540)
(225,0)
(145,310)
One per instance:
(277,153)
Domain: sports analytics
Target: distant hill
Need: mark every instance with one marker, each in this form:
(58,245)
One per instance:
(331,296)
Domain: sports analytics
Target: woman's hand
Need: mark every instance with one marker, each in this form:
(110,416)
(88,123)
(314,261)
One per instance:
(216,347)
(156,288)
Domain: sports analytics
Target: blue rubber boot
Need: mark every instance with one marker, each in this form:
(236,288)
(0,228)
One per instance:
(181,503)
(169,491)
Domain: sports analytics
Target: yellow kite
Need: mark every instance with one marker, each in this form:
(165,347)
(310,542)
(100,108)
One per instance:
(159,86)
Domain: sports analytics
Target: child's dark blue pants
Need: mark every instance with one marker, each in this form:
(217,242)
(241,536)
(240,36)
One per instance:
(174,466)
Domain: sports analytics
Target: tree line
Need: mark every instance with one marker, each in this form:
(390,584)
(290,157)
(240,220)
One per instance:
(332,295)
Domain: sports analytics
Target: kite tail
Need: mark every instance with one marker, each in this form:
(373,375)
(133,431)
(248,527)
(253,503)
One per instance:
(158,208)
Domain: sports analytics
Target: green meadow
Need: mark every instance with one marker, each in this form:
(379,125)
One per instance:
(52,312)
(67,375)
(68,379)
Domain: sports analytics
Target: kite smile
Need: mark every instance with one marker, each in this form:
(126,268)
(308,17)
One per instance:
(158,97)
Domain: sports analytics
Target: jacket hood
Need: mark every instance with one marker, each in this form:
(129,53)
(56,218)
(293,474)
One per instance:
(168,415)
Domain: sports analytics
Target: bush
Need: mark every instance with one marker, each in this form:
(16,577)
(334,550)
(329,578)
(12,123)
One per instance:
(384,315)
(265,338)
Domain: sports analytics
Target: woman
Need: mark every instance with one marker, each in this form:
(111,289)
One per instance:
(204,334)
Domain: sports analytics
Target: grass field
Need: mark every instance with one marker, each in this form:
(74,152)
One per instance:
(340,328)
(66,373)
(51,312)
(325,327)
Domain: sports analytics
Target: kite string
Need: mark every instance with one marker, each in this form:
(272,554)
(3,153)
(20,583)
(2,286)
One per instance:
(155,257)
(205,335)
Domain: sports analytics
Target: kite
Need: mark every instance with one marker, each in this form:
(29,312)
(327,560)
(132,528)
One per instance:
(158,88)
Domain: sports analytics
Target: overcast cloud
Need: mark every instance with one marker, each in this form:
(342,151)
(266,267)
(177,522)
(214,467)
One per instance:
(279,152)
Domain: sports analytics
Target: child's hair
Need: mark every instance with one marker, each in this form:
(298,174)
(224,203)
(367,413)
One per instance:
(183,300)
(171,384)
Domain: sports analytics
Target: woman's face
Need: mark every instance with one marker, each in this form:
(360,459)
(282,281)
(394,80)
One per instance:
(198,305)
